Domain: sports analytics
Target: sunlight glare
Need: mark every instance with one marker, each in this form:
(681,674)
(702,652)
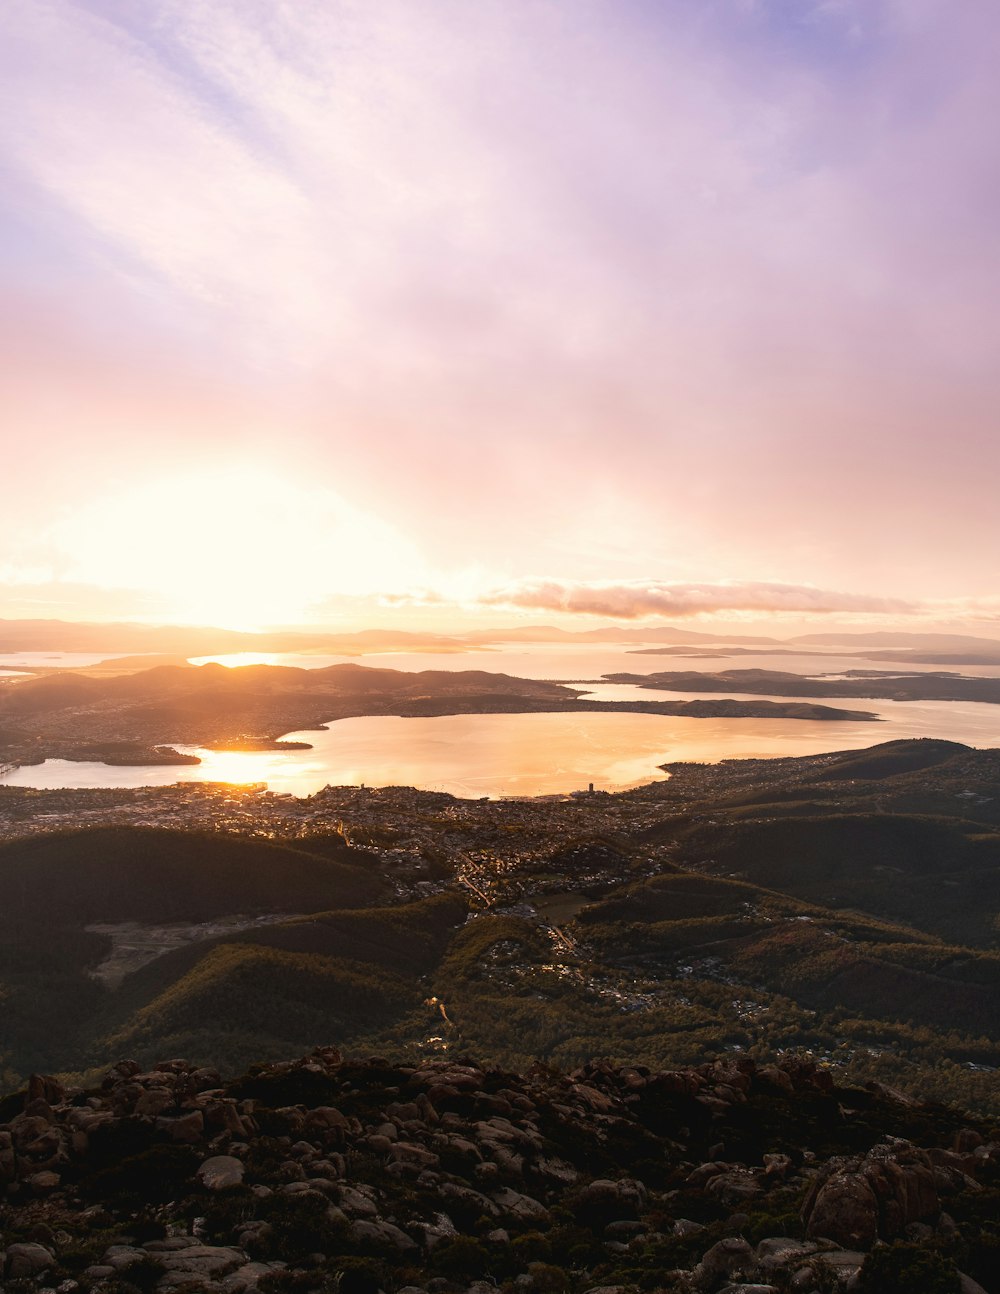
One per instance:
(237,548)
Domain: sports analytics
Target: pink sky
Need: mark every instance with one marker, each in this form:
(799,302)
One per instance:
(449,302)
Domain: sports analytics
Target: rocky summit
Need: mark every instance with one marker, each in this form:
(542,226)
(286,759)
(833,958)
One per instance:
(357,1175)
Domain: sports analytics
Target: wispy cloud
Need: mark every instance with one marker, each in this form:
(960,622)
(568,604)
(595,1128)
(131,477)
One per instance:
(982,610)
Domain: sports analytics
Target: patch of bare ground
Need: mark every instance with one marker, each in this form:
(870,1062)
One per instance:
(135,945)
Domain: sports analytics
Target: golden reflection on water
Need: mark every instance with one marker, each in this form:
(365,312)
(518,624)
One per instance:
(545,754)
(527,754)
(241,766)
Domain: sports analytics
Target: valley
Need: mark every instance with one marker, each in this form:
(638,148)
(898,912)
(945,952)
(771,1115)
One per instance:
(842,906)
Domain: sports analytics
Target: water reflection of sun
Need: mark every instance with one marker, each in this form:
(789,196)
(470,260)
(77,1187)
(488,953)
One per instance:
(245,768)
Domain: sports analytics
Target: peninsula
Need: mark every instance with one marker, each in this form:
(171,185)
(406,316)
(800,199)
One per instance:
(138,718)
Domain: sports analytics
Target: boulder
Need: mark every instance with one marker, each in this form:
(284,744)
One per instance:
(187,1128)
(382,1235)
(153,1101)
(197,1264)
(734,1187)
(604,1200)
(356,1203)
(521,1206)
(220,1172)
(842,1264)
(121,1257)
(246,1279)
(844,1210)
(779,1252)
(729,1257)
(27,1260)
(858,1201)
(43,1087)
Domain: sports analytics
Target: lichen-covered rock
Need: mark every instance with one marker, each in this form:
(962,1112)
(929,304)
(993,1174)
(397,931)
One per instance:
(220,1172)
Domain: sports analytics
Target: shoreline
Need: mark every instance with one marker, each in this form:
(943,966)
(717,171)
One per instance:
(140,755)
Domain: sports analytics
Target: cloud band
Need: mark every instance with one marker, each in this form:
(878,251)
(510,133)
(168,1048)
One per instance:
(632,599)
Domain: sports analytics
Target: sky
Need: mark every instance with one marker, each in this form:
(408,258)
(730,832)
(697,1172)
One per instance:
(339,311)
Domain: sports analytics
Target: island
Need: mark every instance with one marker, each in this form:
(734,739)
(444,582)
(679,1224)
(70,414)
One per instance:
(937,685)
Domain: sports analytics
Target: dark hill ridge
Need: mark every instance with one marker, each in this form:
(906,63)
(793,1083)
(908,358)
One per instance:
(823,958)
(149,874)
(921,870)
(326,1174)
(259,993)
(892,758)
(65,894)
(919,776)
(68,715)
(238,992)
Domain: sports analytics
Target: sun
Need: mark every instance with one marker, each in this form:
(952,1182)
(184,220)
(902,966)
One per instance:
(237,548)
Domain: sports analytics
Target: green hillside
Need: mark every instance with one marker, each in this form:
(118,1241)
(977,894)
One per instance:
(109,874)
(931,872)
(407,940)
(54,885)
(242,1001)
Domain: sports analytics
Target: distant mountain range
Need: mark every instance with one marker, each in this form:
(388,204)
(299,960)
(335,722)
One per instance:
(192,640)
